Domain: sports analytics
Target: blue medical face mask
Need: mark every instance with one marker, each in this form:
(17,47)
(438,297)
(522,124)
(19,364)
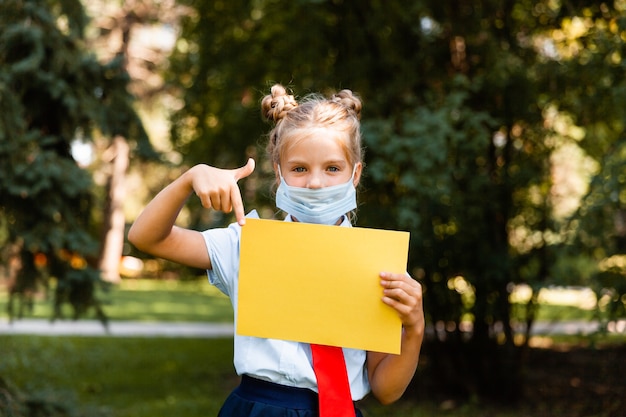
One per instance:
(316,205)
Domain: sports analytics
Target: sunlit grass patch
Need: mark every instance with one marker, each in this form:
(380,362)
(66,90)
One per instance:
(193,300)
(151,300)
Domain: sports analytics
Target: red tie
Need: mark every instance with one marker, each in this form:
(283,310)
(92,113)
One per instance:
(332,381)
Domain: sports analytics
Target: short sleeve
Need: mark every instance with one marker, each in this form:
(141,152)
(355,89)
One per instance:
(223,248)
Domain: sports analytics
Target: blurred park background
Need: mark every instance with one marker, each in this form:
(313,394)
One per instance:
(494,132)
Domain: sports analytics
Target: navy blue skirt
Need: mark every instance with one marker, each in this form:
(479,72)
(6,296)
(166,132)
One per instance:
(256,398)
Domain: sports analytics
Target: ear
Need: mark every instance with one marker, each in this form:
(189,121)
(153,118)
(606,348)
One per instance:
(276,175)
(357,173)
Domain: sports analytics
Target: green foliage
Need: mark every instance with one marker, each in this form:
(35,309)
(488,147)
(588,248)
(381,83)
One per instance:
(466,105)
(52,92)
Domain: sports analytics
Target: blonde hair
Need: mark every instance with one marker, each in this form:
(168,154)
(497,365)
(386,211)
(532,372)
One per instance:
(340,112)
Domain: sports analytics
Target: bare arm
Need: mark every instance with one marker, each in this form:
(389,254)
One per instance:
(154,231)
(389,374)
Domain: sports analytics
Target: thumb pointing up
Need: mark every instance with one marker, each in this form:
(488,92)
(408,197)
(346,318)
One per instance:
(245,170)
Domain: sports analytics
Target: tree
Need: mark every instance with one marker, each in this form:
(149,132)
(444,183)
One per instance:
(589,90)
(116,37)
(53,91)
(468,108)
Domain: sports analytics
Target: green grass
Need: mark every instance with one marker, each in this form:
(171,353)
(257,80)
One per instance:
(148,377)
(143,377)
(149,300)
(184,377)
(122,377)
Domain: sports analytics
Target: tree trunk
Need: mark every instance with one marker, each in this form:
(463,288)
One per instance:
(114,220)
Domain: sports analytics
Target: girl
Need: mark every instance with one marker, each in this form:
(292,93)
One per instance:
(315,148)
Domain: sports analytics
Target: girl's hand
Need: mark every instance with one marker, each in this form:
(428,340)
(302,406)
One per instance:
(217,188)
(389,374)
(404,294)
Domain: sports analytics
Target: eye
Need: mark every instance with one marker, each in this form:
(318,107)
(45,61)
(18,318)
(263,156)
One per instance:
(299,169)
(334,169)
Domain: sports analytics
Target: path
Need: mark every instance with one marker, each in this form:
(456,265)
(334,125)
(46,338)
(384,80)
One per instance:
(213,330)
(115,329)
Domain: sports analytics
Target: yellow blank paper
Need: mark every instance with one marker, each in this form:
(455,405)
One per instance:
(319,284)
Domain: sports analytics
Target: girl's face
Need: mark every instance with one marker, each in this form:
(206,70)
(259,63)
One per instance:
(317,161)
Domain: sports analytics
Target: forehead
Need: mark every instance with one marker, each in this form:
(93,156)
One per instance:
(329,142)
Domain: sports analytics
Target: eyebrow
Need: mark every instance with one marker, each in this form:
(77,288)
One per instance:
(341,162)
(336,162)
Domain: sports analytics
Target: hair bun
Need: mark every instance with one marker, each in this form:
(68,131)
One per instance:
(347,99)
(276,104)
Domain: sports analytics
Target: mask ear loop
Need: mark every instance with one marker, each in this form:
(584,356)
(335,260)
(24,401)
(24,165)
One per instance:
(280,174)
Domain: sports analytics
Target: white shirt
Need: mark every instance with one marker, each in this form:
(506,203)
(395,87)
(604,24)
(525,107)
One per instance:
(282,362)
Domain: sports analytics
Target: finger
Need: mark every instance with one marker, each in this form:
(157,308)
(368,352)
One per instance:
(401,288)
(206,202)
(405,305)
(389,280)
(235,193)
(400,295)
(237,205)
(226,203)
(245,170)
(215,201)
(394,277)
(403,310)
